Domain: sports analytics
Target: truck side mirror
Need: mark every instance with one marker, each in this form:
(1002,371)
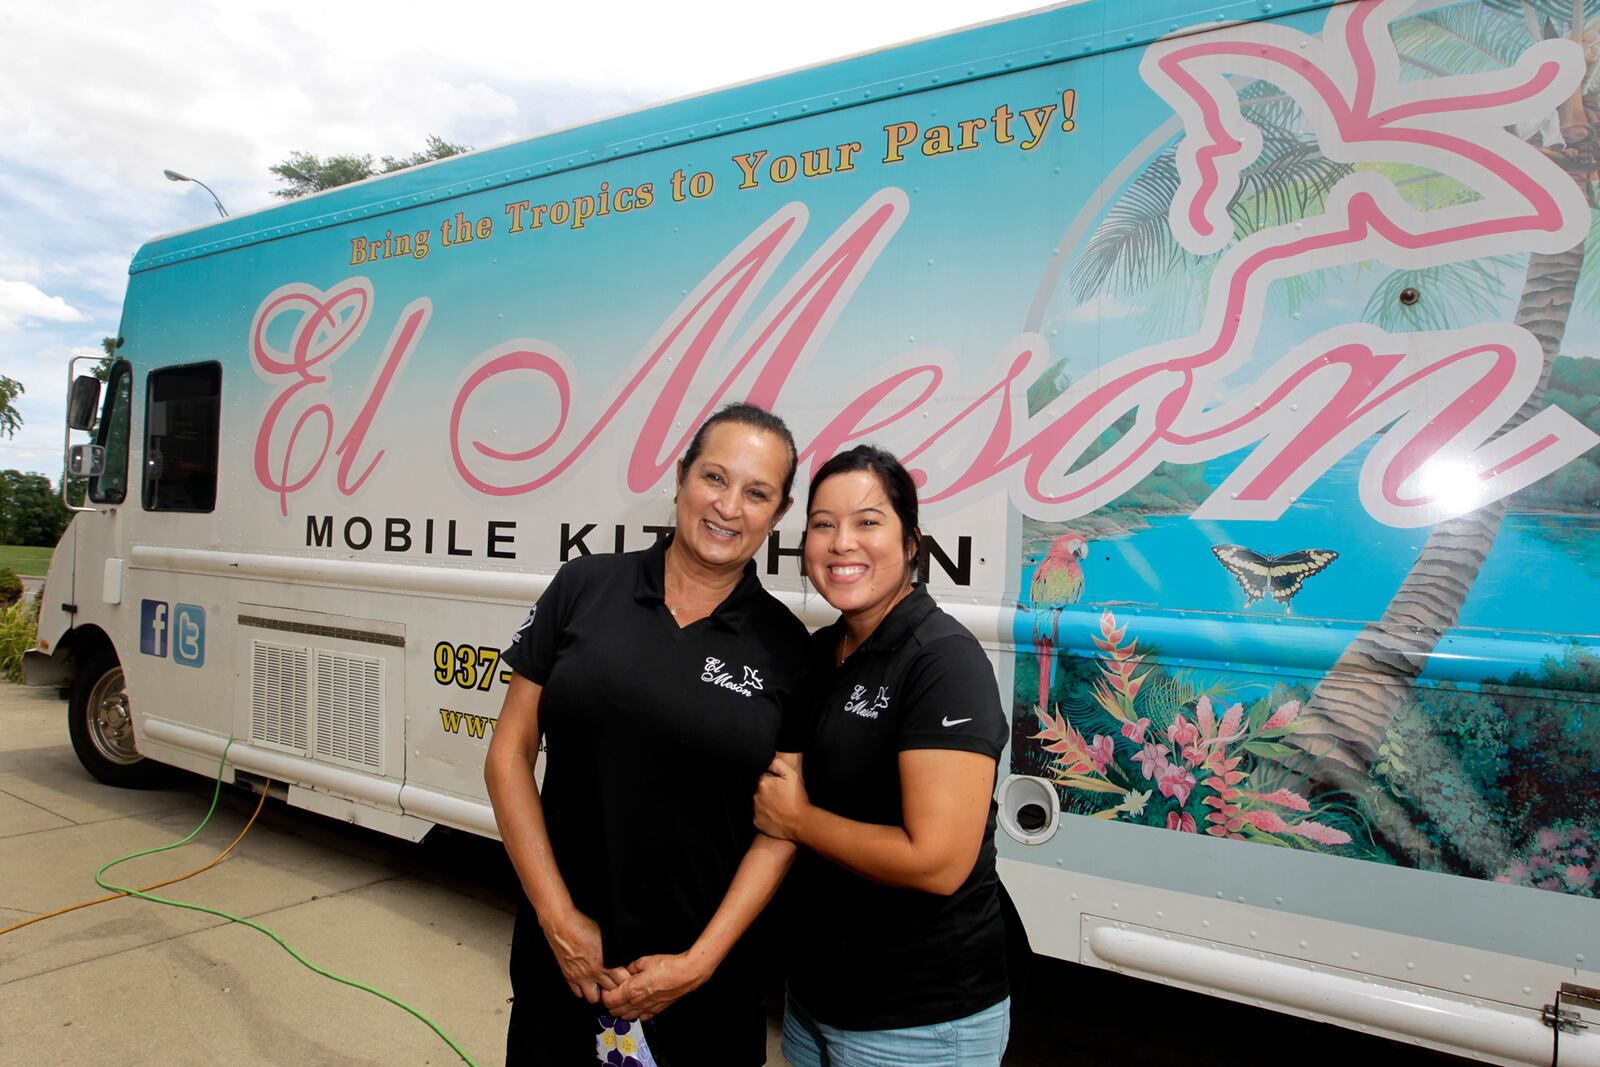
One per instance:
(86,461)
(84,402)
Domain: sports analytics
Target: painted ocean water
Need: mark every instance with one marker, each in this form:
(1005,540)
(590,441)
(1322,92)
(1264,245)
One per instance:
(1539,587)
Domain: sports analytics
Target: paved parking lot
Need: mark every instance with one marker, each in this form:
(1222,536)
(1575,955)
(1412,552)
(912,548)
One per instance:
(129,982)
(133,983)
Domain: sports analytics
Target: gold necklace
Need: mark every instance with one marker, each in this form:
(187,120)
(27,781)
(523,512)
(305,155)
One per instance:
(842,653)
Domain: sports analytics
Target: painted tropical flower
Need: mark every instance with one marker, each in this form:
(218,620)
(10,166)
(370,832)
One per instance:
(1102,751)
(1287,713)
(1182,731)
(1151,759)
(1176,781)
(1133,804)
(1562,861)
(1202,754)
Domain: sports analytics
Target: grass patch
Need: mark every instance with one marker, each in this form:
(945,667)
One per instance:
(26,560)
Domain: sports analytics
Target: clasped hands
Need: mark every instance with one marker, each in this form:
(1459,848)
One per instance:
(644,988)
(650,984)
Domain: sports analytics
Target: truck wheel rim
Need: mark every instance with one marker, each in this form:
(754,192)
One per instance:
(110,722)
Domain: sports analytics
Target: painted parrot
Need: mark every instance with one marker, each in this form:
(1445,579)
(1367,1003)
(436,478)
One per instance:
(1057,582)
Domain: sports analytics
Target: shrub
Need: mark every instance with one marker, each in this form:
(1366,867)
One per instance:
(19,629)
(10,586)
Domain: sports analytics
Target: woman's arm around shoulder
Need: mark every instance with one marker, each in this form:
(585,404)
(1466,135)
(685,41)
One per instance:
(951,731)
(944,796)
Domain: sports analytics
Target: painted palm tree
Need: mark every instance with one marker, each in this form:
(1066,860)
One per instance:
(1132,253)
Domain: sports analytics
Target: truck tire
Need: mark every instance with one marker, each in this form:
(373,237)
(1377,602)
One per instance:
(101,727)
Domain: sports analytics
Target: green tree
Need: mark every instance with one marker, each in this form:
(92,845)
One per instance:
(305,172)
(438,148)
(34,513)
(10,419)
(102,369)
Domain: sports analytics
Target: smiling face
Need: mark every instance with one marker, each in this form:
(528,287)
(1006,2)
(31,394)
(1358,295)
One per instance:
(857,552)
(730,497)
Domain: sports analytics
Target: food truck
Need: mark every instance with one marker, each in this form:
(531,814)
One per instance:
(1242,353)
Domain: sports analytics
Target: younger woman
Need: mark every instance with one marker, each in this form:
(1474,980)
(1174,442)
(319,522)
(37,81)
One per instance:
(897,950)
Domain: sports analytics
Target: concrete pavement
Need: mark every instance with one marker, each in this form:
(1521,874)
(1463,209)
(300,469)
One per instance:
(129,982)
(134,983)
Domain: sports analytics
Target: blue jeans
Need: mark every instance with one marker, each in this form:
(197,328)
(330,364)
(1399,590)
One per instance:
(976,1041)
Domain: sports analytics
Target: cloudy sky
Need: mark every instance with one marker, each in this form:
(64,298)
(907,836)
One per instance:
(96,99)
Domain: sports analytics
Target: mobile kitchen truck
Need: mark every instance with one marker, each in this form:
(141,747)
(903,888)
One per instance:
(1243,352)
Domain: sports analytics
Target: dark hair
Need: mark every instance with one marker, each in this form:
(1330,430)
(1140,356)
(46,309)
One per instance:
(743,413)
(897,486)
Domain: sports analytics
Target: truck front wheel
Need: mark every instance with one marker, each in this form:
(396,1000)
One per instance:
(101,725)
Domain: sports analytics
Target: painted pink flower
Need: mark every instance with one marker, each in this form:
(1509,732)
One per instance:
(1176,781)
(1151,760)
(1286,714)
(1548,839)
(1262,819)
(1205,717)
(1322,835)
(1230,722)
(1577,875)
(1134,731)
(1102,752)
(1181,821)
(1182,732)
(1283,798)
(1108,627)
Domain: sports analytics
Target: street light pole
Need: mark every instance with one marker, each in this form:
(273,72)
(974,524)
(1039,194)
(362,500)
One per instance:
(174,176)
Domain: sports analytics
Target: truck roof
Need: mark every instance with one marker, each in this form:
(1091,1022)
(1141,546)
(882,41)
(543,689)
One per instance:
(1037,38)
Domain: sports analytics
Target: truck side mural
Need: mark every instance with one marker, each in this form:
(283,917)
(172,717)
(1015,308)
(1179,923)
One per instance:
(1380,228)
(1241,352)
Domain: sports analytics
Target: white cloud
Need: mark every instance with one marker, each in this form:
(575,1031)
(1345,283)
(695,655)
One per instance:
(22,302)
(96,99)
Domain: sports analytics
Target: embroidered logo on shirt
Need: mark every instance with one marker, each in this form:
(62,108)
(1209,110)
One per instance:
(716,674)
(948,721)
(857,704)
(525,624)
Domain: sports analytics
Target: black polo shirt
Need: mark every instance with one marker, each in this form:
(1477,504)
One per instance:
(866,956)
(656,737)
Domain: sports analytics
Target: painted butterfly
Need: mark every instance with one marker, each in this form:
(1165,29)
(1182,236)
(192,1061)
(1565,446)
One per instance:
(1279,577)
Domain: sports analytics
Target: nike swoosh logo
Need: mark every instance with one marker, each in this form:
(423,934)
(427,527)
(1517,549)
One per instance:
(954,722)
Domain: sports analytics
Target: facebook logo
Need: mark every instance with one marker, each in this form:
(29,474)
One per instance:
(189,635)
(153,627)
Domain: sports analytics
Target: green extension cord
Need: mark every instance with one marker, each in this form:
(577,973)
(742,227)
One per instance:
(215,794)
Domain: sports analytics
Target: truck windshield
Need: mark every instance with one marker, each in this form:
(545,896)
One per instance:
(111,485)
